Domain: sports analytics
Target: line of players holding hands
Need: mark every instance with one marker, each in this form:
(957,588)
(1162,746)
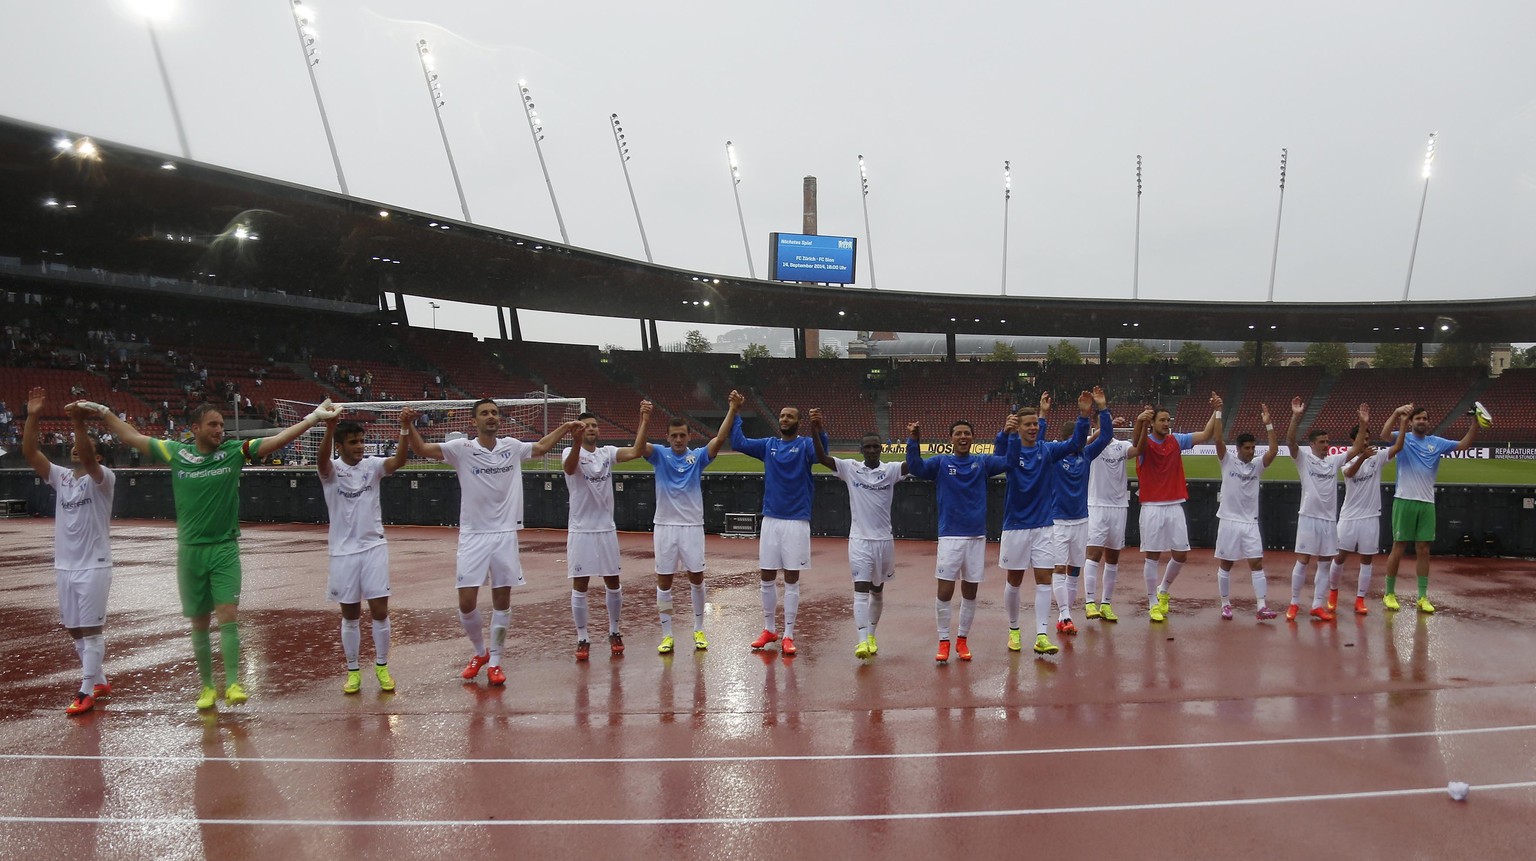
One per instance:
(1064,522)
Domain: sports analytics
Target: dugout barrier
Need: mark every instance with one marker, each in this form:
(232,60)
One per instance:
(1471,520)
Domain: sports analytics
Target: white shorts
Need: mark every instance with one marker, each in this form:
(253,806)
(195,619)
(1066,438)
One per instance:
(83,596)
(872,560)
(1163,527)
(1317,537)
(679,549)
(1069,542)
(1106,527)
(784,544)
(1028,549)
(1237,540)
(962,559)
(493,551)
(1361,535)
(592,554)
(356,576)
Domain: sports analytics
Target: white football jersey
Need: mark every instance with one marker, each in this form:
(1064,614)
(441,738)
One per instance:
(81,519)
(590,490)
(1106,476)
(1239,487)
(870,491)
(490,483)
(1319,482)
(352,499)
(1362,492)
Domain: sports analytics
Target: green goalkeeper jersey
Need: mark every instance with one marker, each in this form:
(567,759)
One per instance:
(206,487)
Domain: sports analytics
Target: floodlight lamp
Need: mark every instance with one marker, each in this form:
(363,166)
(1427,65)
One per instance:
(51,202)
(63,144)
(86,148)
(167,166)
(155,10)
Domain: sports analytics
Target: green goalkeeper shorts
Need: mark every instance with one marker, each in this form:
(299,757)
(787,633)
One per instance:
(207,575)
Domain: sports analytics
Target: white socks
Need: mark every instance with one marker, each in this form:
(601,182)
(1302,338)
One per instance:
(615,601)
(1073,580)
(861,613)
(1059,591)
(876,607)
(1011,604)
(1364,586)
(579,613)
(1042,608)
(1149,574)
(473,630)
(1170,574)
(1224,586)
(696,592)
(381,641)
(768,591)
(1320,588)
(1261,588)
(791,607)
(351,640)
(1298,580)
(1107,588)
(967,615)
(92,649)
(941,611)
(499,621)
(664,610)
(1090,582)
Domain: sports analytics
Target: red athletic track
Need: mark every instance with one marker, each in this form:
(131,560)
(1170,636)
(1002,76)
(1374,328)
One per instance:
(1251,740)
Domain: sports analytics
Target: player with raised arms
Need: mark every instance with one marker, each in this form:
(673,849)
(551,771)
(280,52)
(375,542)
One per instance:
(871,546)
(678,534)
(1160,472)
(82,552)
(1360,517)
(785,543)
(359,556)
(591,538)
(1413,510)
(1317,523)
(961,490)
(1109,499)
(205,481)
(490,473)
(1237,530)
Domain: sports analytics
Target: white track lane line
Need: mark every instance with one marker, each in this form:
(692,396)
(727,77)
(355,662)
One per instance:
(829,757)
(763,820)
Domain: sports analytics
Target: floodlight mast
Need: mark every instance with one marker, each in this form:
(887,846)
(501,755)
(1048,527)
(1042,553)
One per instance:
(536,130)
(869,240)
(1429,160)
(1274,256)
(435,90)
(151,11)
(303,23)
(730,155)
(1007,196)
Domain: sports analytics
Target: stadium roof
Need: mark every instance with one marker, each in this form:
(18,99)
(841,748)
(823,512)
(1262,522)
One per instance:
(134,214)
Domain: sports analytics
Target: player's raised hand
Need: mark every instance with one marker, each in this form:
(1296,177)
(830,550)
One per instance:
(1364,413)
(736,398)
(408,416)
(1264,413)
(1405,409)
(1298,406)
(324,411)
(1012,425)
(815,416)
(1121,421)
(1216,401)
(1146,415)
(645,408)
(35,399)
(1085,402)
(1100,400)
(1045,402)
(914,429)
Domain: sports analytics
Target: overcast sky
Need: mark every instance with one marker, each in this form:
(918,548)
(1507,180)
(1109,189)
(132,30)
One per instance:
(934,96)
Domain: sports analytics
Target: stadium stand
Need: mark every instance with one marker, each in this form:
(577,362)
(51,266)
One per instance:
(1439,390)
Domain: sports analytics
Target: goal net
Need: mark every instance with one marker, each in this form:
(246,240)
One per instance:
(527,418)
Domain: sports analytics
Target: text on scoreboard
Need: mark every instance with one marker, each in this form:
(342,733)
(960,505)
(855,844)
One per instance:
(807,257)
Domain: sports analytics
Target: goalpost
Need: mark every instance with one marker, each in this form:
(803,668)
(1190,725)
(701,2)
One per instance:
(526,418)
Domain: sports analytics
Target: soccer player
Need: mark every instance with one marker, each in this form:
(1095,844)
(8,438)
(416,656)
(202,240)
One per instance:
(961,492)
(490,472)
(1413,509)
(1317,526)
(591,538)
(1108,500)
(1237,530)
(205,481)
(678,536)
(1360,518)
(359,557)
(871,548)
(1028,532)
(1069,514)
(82,555)
(786,530)
(1160,472)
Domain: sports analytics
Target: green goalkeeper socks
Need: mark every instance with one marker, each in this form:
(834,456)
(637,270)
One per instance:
(202,649)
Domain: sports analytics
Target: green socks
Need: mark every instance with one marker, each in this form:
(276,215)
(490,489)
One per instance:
(229,649)
(1423,586)
(203,650)
(1391,584)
